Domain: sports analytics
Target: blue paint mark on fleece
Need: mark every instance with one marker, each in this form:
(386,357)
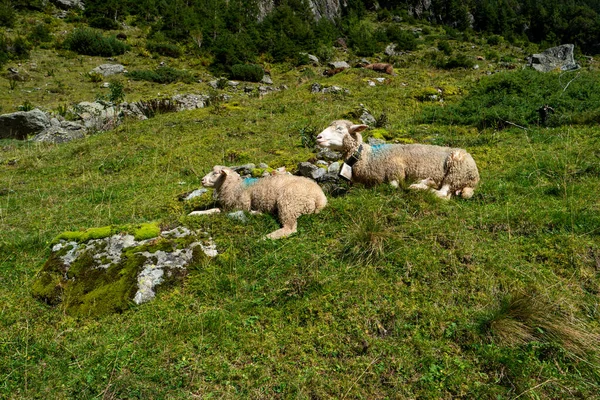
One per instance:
(378,147)
(249,181)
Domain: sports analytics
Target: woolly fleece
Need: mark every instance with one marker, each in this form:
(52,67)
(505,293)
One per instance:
(288,196)
(447,170)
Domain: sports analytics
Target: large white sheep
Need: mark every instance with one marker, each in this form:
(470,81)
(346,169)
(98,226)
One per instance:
(444,170)
(288,196)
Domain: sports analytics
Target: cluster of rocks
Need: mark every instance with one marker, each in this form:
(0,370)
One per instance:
(318,88)
(103,264)
(87,117)
(264,88)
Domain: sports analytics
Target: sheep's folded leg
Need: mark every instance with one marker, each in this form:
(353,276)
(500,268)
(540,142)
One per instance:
(443,192)
(281,233)
(423,185)
(394,184)
(205,212)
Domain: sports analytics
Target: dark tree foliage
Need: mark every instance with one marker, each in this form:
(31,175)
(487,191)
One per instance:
(236,31)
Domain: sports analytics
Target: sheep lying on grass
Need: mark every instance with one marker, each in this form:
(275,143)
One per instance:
(446,171)
(287,195)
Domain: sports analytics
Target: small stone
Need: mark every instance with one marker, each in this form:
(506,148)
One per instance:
(195,193)
(334,168)
(238,216)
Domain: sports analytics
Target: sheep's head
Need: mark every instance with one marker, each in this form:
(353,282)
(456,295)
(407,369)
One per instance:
(333,136)
(216,177)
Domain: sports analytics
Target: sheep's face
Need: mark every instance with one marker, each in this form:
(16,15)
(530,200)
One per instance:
(218,173)
(333,136)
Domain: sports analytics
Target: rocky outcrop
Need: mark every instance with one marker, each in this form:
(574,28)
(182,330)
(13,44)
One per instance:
(61,132)
(19,125)
(330,9)
(559,57)
(104,270)
(68,4)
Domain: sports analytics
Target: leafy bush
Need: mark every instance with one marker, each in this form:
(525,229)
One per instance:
(363,38)
(92,43)
(404,40)
(457,61)
(509,98)
(40,34)
(247,72)
(7,14)
(117,92)
(164,49)
(494,40)
(4,52)
(20,48)
(161,75)
(444,47)
(104,23)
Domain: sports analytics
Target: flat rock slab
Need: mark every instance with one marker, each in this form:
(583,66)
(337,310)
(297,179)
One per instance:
(559,57)
(105,270)
(109,69)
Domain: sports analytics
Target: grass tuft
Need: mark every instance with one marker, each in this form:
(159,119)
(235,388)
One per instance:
(524,317)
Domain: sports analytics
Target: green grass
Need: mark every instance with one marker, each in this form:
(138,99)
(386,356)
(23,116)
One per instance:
(385,294)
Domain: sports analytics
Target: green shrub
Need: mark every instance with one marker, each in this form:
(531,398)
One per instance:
(117,92)
(164,49)
(444,47)
(515,98)
(104,23)
(404,40)
(7,14)
(92,43)
(20,48)
(457,61)
(161,75)
(4,53)
(40,34)
(494,40)
(247,72)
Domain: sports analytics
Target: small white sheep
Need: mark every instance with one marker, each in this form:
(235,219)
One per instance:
(444,170)
(287,195)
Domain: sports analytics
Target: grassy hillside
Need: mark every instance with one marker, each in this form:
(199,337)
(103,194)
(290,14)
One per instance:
(385,294)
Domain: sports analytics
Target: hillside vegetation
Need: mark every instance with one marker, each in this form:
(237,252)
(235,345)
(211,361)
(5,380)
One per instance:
(386,294)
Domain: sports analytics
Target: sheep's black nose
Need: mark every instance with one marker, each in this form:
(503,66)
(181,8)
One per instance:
(319,137)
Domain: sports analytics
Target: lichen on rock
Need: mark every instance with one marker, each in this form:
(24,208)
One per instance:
(92,275)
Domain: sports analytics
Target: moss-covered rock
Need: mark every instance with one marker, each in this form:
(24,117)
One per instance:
(97,271)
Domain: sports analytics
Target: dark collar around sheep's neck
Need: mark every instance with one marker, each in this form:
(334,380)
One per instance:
(354,157)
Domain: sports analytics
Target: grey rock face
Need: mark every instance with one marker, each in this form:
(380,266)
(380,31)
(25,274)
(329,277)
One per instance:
(190,101)
(315,88)
(109,69)
(553,58)
(21,124)
(367,119)
(267,80)
(68,4)
(311,171)
(328,155)
(329,9)
(339,64)
(61,132)
(195,193)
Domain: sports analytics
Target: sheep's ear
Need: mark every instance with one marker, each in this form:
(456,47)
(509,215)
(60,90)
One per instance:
(225,172)
(357,128)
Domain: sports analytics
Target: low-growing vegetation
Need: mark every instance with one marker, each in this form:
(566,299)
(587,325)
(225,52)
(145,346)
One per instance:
(93,43)
(388,292)
(161,75)
(525,98)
